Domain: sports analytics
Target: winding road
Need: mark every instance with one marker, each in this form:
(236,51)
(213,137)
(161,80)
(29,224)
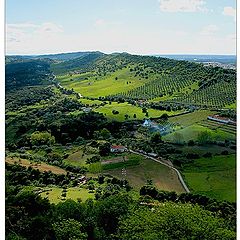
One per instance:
(165,164)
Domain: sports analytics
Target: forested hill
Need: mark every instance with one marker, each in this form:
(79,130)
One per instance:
(167,80)
(26,73)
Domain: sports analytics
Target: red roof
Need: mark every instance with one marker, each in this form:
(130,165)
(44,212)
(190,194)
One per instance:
(117,147)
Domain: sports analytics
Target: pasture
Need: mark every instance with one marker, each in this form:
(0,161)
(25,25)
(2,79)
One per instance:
(74,193)
(102,86)
(36,165)
(191,118)
(192,132)
(162,177)
(130,110)
(214,177)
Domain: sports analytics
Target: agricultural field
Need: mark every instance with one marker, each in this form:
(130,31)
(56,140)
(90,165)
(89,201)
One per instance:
(214,177)
(121,80)
(79,156)
(130,110)
(192,132)
(74,193)
(191,118)
(36,165)
(163,85)
(162,177)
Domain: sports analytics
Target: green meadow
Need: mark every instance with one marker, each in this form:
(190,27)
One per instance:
(214,177)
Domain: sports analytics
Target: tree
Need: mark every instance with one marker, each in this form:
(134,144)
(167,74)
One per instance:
(69,229)
(134,115)
(166,222)
(42,138)
(105,134)
(164,116)
(104,149)
(156,137)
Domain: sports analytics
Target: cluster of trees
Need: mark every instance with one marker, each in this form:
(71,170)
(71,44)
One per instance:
(17,175)
(223,209)
(25,73)
(28,96)
(116,216)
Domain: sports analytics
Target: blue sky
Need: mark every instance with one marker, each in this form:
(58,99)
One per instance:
(134,26)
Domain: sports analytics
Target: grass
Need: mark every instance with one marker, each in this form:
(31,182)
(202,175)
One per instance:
(105,85)
(214,177)
(192,132)
(78,158)
(54,194)
(40,166)
(163,177)
(191,118)
(125,108)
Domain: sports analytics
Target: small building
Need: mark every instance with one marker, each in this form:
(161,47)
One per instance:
(220,119)
(118,149)
(153,154)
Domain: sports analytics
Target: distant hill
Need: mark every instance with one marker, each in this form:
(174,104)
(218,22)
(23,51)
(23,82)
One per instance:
(224,59)
(161,80)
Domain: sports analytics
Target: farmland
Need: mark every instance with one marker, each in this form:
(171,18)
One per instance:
(129,110)
(162,177)
(74,193)
(40,166)
(214,177)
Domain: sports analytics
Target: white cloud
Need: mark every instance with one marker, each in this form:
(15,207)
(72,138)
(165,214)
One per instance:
(182,5)
(209,30)
(230,11)
(116,38)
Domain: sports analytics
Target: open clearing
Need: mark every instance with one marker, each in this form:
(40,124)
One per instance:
(163,177)
(54,194)
(78,158)
(40,166)
(191,118)
(103,86)
(192,132)
(130,110)
(214,177)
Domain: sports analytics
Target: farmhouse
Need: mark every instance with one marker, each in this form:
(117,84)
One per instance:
(118,149)
(220,119)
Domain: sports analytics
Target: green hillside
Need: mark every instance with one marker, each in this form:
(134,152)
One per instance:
(132,77)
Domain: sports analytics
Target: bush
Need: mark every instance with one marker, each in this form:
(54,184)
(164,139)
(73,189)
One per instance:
(207,155)
(225,152)
(191,143)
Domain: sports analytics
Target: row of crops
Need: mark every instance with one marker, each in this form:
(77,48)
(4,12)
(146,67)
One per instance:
(164,85)
(215,125)
(217,95)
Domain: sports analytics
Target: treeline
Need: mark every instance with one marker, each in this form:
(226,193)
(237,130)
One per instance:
(112,217)
(223,209)
(26,73)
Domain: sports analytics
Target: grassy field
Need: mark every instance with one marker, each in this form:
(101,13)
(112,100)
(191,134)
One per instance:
(41,166)
(191,118)
(125,108)
(54,194)
(163,177)
(214,177)
(192,132)
(78,158)
(104,86)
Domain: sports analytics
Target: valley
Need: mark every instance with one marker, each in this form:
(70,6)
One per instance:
(87,128)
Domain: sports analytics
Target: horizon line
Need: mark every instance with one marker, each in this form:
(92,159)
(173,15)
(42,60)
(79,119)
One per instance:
(114,52)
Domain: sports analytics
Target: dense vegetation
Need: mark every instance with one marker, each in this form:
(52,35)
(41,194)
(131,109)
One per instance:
(59,147)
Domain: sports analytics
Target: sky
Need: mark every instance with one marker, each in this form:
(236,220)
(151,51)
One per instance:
(133,26)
